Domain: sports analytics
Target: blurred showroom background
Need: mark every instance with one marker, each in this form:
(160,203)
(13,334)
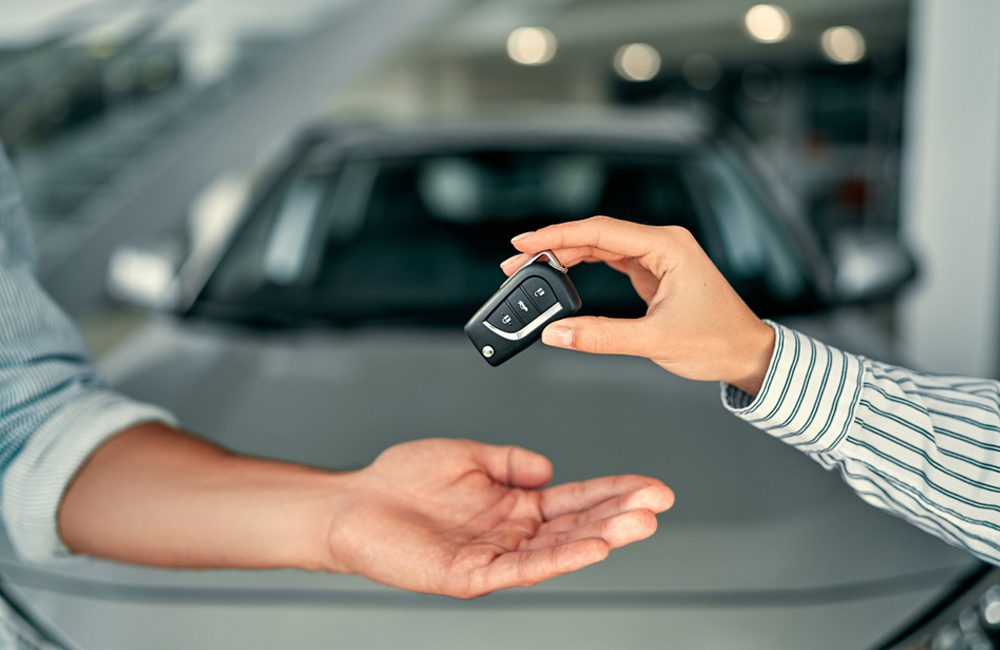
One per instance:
(877,116)
(866,144)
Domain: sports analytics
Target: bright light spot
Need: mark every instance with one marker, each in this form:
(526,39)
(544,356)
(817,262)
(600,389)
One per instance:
(215,209)
(531,45)
(637,61)
(991,613)
(701,71)
(209,54)
(142,276)
(767,23)
(843,44)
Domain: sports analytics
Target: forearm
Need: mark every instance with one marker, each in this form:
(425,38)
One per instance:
(158,496)
(935,465)
(924,447)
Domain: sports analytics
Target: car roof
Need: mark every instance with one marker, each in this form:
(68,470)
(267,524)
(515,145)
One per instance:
(630,130)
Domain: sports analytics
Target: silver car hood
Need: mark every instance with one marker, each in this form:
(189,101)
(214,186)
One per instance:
(751,512)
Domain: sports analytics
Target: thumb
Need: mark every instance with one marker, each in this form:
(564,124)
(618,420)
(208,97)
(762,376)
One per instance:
(513,465)
(599,335)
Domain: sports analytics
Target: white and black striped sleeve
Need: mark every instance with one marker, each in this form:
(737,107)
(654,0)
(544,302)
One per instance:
(925,447)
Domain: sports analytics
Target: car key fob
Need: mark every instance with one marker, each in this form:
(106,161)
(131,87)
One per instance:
(535,295)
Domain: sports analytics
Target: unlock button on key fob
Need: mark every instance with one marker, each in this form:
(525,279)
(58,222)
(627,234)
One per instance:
(539,292)
(505,319)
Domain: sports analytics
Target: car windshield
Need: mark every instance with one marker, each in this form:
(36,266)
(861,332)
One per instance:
(418,239)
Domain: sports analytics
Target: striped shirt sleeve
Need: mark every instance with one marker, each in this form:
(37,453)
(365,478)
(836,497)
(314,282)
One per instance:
(54,411)
(924,447)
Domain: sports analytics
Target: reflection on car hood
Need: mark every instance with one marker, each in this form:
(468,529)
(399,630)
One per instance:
(751,513)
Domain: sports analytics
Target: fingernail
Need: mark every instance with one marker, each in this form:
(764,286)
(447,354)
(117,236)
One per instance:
(521,236)
(561,337)
(510,259)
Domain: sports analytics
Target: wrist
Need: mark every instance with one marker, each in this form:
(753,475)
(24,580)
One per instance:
(754,352)
(325,504)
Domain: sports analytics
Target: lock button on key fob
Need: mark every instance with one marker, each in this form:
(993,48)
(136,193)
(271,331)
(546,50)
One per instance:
(535,295)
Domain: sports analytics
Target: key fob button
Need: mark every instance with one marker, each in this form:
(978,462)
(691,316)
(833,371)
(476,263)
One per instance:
(539,292)
(523,306)
(513,317)
(505,319)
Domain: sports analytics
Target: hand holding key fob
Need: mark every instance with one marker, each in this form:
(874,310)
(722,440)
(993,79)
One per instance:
(535,295)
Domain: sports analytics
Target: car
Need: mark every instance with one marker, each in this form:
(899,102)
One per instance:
(314,311)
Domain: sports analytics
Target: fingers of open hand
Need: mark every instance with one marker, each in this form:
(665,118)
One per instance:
(653,498)
(569,498)
(512,465)
(617,530)
(583,521)
(619,520)
(528,567)
(512,534)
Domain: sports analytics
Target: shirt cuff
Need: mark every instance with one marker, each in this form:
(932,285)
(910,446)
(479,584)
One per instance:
(36,480)
(809,394)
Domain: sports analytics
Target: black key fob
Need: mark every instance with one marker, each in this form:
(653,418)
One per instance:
(537,294)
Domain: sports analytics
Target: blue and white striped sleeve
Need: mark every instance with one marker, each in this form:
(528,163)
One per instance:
(53,409)
(924,447)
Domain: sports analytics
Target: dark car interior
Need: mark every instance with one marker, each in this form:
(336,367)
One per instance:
(411,239)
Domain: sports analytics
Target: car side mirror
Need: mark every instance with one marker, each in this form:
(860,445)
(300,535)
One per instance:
(146,276)
(870,266)
(167,276)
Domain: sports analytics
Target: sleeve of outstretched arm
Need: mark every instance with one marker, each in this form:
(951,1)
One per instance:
(924,447)
(53,409)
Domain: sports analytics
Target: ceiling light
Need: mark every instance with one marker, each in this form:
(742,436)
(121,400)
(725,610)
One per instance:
(531,45)
(767,23)
(843,44)
(637,61)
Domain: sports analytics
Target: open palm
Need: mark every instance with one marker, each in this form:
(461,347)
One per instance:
(461,518)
